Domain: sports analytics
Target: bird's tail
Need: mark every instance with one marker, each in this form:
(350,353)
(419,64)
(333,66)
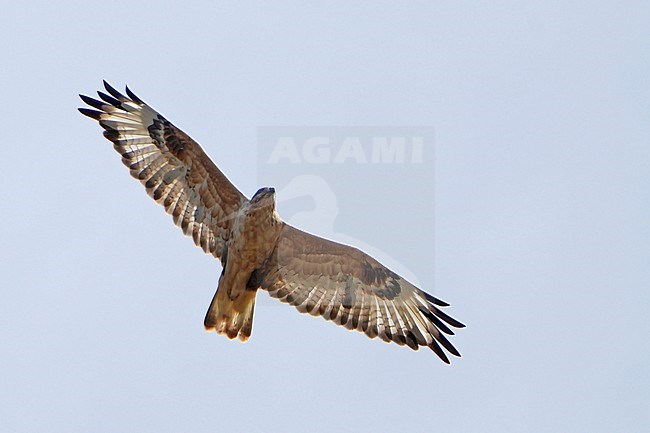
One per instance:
(232,317)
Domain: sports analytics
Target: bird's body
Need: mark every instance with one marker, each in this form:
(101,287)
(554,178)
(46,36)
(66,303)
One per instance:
(255,230)
(256,248)
(251,241)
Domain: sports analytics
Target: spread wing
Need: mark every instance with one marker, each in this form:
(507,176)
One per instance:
(350,288)
(172,167)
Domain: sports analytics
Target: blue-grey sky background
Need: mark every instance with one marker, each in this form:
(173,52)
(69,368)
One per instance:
(541,113)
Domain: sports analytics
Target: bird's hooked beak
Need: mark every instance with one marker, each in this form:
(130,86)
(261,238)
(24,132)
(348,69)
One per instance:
(264,194)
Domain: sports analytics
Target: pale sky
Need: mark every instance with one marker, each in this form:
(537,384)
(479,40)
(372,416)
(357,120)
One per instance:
(529,214)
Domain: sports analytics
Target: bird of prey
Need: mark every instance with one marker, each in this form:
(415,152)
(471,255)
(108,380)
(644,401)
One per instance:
(257,249)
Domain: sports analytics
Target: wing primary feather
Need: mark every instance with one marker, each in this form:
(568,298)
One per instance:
(420,328)
(437,322)
(453,322)
(412,332)
(114,102)
(110,89)
(133,96)
(93,114)
(446,344)
(438,351)
(434,300)
(92,102)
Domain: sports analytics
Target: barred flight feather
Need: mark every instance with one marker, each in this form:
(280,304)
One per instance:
(165,160)
(354,291)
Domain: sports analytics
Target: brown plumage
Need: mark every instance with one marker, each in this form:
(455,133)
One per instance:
(256,248)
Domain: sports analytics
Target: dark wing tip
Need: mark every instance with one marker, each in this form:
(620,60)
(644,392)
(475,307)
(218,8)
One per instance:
(107,86)
(447,345)
(114,102)
(110,89)
(437,322)
(438,351)
(119,97)
(435,300)
(92,102)
(93,114)
(450,320)
(133,96)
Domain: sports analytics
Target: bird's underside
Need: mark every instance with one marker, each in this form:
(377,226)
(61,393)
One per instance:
(256,248)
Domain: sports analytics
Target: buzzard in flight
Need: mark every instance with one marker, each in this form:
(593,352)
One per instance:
(256,248)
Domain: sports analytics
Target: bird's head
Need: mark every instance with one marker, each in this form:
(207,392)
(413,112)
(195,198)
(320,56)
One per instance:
(264,197)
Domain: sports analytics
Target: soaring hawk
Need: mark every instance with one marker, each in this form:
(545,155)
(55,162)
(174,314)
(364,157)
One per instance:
(256,248)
